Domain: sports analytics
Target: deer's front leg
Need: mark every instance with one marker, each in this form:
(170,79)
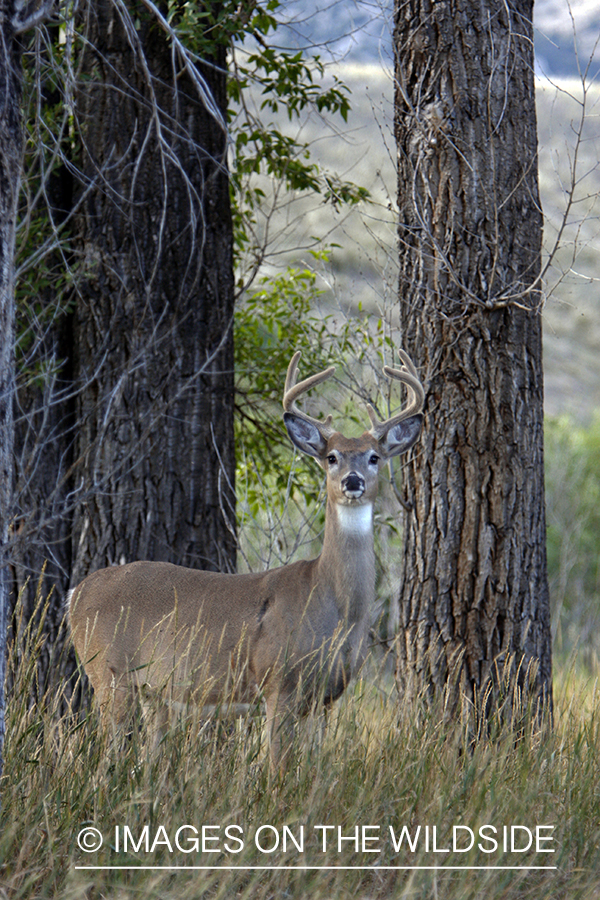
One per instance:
(282,717)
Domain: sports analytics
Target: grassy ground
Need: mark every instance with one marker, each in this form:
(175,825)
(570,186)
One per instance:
(374,771)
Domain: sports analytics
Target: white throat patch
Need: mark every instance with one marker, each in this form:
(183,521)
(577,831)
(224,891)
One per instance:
(355,519)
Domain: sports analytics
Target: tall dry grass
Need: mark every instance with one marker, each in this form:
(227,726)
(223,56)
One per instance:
(378,766)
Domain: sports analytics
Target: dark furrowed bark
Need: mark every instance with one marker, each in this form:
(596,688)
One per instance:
(474,607)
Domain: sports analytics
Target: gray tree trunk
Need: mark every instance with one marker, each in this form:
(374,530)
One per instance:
(474,607)
(14,20)
(11,143)
(44,398)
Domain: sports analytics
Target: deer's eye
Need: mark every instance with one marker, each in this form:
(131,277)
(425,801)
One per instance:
(332,460)
(373,460)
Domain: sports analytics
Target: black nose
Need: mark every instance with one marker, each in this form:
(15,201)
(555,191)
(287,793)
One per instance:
(353,483)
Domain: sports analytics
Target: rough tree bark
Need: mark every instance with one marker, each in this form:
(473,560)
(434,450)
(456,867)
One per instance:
(474,607)
(153,322)
(44,397)
(126,446)
(15,19)
(11,142)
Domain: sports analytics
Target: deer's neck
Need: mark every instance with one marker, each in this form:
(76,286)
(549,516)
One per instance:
(347,562)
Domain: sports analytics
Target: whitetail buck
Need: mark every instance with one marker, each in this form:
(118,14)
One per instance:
(295,634)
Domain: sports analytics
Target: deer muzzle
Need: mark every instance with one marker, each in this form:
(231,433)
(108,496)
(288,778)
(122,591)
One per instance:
(353,485)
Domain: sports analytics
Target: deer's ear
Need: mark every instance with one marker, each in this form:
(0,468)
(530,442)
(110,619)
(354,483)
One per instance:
(304,435)
(402,436)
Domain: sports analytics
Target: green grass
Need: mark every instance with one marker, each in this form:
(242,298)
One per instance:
(376,767)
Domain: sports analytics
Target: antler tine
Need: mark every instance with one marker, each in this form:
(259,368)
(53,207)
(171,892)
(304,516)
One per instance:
(407,374)
(292,391)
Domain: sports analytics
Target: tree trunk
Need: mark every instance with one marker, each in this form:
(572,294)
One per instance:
(153,324)
(474,607)
(44,398)
(125,423)
(11,149)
